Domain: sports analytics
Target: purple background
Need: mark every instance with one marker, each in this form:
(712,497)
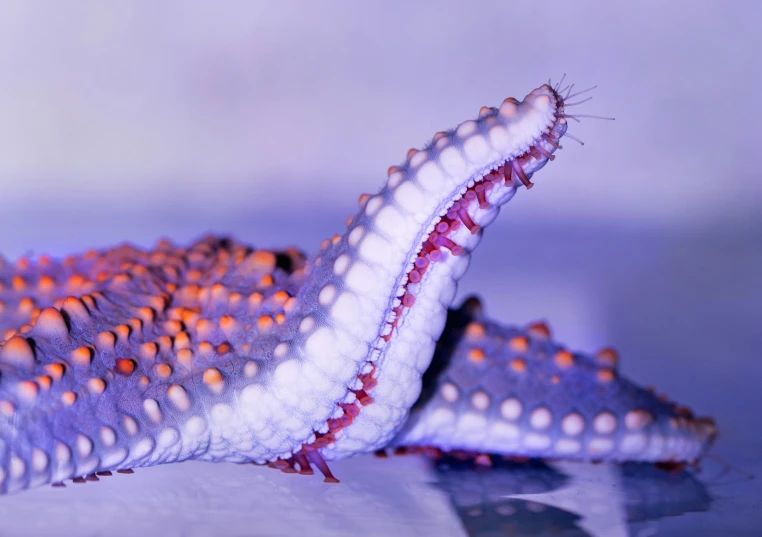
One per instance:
(266,120)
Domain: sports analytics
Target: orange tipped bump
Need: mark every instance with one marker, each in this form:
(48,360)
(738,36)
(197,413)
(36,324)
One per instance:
(605,375)
(96,385)
(82,356)
(26,305)
(264,260)
(124,366)
(173,327)
(146,314)
(44,381)
(18,352)
(608,356)
(185,357)
(264,323)
(56,371)
(519,344)
(18,283)
(148,351)
(182,341)
(564,359)
(122,332)
(68,398)
(539,329)
(518,365)
(476,355)
(46,284)
(75,308)
(163,370)
(228,325)
(27,390)
(475,330)
(7,409)
(213,379)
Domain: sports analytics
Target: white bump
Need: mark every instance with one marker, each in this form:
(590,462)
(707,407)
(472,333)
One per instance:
(374,249)
(287,373)
(221,413)
(418,158)
(307,324)
(505,431)
(373,205)
(341,264)
(567,446)
(449,392)
(362,278)
(430,177)
(63,453)
(637,419)
(440,417)
(326,294)
(195,426)
(39,460)
(178,397)
(321,341)
(452,162)
(633,443)
(395,179)
(130,425)
(17,467)
(508,109)
(84,445)
(143,448)
(168,437)
(409,197)
(355,235)
(389,221)
(598,446)
(281,349)
(152,409)
(250,369)
(537,441)
(541,418)
(112,458)
(498,138)
(480,400)
(573,424)
(108,436)
(472,422)
(604,423)
(346,310)
(466,128)
(476,150)
(511,409)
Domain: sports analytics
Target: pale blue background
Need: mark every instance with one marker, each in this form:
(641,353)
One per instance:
(266,120)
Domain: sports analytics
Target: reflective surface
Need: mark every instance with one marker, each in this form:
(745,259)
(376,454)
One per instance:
(683,311)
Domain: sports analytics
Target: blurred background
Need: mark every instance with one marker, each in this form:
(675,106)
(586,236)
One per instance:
(131,121)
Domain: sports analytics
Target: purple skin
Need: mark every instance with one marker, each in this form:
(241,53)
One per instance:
(126,358)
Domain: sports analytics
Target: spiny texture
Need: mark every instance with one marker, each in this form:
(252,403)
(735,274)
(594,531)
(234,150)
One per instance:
(221,352)
(511,390)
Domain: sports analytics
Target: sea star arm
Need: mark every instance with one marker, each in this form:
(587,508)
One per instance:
(494,389)
(132,368)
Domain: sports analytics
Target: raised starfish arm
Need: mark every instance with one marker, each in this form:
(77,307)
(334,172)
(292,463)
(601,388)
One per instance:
(514,391)
(220,353)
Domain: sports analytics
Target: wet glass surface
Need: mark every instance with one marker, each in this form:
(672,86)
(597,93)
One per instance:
(682,310)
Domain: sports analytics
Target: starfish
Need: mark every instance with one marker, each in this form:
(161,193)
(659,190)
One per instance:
(124,358)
